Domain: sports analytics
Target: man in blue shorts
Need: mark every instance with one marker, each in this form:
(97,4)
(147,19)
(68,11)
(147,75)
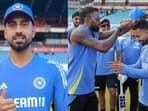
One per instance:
(28,82)
(140,69)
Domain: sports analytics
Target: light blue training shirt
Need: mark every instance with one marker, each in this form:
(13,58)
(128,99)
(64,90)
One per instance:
(130,49)
(102,61)
(140,70)
(81,66)
(34,86)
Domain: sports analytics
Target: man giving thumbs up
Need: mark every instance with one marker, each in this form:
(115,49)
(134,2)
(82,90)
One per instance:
(6,104)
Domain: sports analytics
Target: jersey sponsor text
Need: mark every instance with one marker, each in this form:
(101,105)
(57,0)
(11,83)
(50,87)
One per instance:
(30,102)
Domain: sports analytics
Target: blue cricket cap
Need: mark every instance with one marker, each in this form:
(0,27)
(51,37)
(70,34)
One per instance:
(18,8)
(136,13)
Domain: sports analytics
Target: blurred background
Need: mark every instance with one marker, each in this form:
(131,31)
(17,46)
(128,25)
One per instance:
(116,10)
(51,22)
(54,16)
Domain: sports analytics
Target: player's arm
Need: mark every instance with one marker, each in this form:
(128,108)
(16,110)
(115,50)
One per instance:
(78,37)
(125,26)
(105,35)
(135,72)
(60,90)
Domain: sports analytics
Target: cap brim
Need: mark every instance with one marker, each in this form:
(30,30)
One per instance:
(20,13)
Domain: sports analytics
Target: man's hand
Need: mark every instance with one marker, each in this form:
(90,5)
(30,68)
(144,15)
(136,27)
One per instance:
(126,25)
(116,66)
(6,104)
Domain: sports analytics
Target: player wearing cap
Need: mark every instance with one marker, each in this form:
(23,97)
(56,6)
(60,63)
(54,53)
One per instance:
(27,81)
(104,76)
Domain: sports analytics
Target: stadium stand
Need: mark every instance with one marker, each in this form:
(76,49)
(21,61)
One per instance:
(51,23)
(108,4)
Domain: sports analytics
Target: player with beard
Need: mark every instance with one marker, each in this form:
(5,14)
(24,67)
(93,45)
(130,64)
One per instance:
(140,69)
(28,82)
(75,19)
(83,46)
(75,23)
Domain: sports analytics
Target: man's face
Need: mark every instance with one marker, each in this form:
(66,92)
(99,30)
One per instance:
(105,26)
(134,33)
(19,33)
(94,21)
(143,36)
(76,21)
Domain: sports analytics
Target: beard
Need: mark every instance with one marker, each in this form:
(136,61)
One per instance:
(20,46)
(144,42)
(76,25)
(94,28)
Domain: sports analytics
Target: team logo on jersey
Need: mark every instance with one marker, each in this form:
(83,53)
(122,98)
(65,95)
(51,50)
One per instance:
(39,82)
(17,7)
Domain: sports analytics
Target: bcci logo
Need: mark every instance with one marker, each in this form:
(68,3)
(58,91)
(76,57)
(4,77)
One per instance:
(39,82)
(18,7)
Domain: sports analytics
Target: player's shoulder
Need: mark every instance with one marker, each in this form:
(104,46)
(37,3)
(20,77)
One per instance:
(124,40)
(121,38)
(5,62)
(70,28)
(56,66)
(144,48)
(46,62)
(60,71)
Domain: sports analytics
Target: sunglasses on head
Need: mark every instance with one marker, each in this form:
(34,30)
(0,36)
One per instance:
(105,25)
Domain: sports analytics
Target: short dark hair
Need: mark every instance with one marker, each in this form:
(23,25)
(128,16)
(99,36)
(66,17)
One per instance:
(141,25)
(86,11)
(75,14)
(105,20)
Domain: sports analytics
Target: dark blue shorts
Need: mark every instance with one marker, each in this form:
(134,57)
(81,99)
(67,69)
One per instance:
(142,107)
(86,102)
(106,80)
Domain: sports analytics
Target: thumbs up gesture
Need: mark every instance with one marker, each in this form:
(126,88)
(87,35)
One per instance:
(6,104)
